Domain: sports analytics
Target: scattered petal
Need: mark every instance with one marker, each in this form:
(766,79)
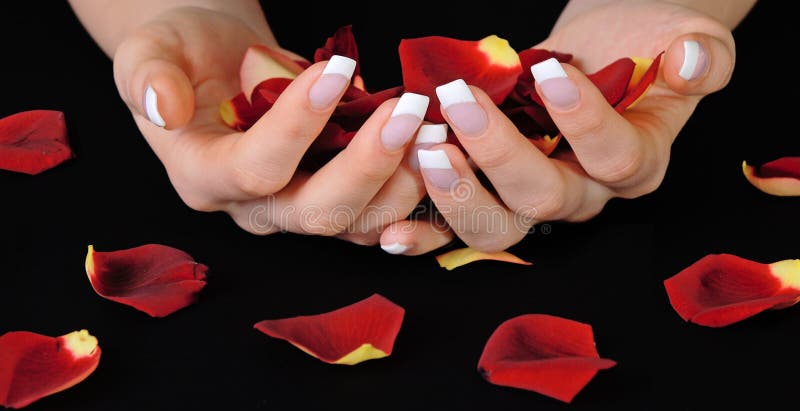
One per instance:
(550,355)
(428,62)
(33,141)
(262,63)
(779,178)
(33,366)
(721,289)
(359,332)
(153,278)
(463,256)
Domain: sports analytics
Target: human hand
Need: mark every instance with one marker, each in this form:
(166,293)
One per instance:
(174,71)
(612,155)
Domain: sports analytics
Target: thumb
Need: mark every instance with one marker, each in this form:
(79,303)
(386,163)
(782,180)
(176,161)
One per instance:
(699,64)
(152,82)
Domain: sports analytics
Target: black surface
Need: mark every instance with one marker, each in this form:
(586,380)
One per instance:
(606,272)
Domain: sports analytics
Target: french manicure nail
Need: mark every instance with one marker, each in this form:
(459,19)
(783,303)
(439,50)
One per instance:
(437,168)
(395,248)
(334,79)
(695,60)
(462,109)
(406,117)
(557,88)
(428,136)
(151,107)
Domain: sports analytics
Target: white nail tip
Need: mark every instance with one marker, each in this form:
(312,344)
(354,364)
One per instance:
(151,107)
(431,133)
(412,103)
(340,65)
(691,55)
(548,69)
(454,92)
(395,248)
(433,159)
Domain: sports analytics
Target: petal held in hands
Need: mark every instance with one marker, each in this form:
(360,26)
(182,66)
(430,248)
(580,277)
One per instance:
(721,289)
(33,141)
(550,355)
(359,332)
(262,63)
(429,62)
(463,256)
(153,278)
(779,178)
(33,366)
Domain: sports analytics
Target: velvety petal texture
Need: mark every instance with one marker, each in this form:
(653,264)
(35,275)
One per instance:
(550,355)
(779,178)
(721,289)
(33,366)
(153,278)
(362,331)
(463,256)
(33,141)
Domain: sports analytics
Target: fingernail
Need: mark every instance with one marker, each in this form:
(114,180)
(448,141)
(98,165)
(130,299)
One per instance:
(395,248)
(695,60)
(428,136)
(151,107)
(406,117)
(334,80)
(437,168)
(557,88)
(464,112)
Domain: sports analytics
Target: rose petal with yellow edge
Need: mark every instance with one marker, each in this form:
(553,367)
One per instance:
(779,178)
(463,256)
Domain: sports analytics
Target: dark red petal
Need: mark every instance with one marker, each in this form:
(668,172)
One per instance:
(342,43)
(237,113)
(153,278)
(528,58)
(613,79)
(266,93)
(33,366)
(361,331)
(633,93)
(721,289)
(262,63)
(33,141)
(780,177)
(429,62)
(550,355)
(363,105)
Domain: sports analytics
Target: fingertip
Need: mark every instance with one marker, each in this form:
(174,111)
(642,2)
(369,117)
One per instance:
(698,64)
(163,94)
(414,237)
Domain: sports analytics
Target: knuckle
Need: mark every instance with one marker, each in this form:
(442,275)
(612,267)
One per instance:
(545,204)
(587,122)
(621,169)
(257,184)
(495,156)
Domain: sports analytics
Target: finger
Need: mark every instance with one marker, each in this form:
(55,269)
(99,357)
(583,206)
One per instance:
(609,147)
(415,237)
(475,215)
(344,186)
(699,64)
(266,156)
(150,77)
(526,179)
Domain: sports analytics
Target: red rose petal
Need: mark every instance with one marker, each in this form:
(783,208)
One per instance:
(429,62)
(780,177)
(613,79)
(342,43)
(721,289)
(33,141)
(153,278)
(33,366)
(550,355)
(524,88)
(237,113)
(262,63)
(364,104)
(635,92)
(362,331)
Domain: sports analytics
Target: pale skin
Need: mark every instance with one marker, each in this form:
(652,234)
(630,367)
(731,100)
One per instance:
(189,51)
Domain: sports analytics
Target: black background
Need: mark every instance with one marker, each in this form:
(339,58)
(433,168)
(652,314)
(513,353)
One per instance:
(607,272)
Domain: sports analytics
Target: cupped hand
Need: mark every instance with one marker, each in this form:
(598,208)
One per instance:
(612,154)
(173,73)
